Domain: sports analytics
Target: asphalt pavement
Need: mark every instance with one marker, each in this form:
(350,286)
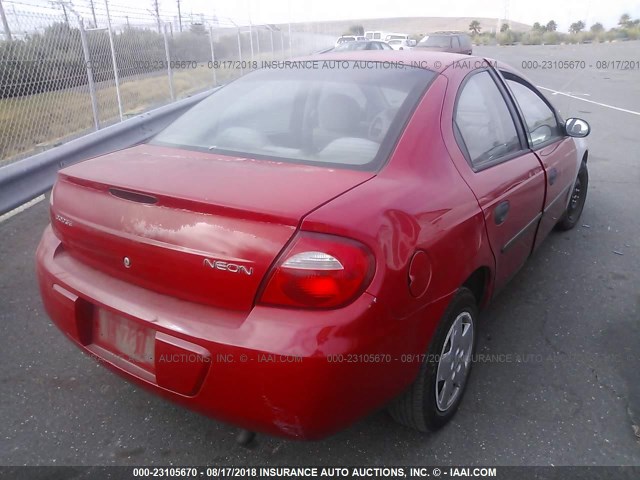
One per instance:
(557,381)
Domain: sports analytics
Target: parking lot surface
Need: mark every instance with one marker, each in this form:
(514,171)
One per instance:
(557,381)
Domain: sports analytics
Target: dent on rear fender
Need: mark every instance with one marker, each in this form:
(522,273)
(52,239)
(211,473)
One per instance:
(398,236)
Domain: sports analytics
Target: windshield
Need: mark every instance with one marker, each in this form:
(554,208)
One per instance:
(438,41)
(342,116)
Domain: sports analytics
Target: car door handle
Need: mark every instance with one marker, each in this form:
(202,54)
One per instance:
(553,174)
(501,211)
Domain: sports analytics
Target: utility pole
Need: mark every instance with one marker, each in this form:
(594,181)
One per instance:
(179,17)
(113,60)
(290,46)
(156,9)
(66,17)
(251,38)
(506,13)
(5,24)
(93,12)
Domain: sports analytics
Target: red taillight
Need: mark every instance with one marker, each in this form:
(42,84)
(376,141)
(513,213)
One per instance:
(319,271)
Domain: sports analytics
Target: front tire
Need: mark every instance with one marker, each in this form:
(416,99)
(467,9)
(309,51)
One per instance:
(573,212)
(433,398)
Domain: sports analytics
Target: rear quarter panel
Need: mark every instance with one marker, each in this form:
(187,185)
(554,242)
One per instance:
(417,202)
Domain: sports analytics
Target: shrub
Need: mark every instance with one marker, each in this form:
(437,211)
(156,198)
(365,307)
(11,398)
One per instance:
(532,38)
(505,38)
(551,38)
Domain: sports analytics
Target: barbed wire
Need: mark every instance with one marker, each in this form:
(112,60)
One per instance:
(120,13)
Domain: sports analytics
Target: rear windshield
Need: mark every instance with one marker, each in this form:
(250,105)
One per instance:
(347,116)
(436,41)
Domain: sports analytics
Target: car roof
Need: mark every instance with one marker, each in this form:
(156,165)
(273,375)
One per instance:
(447,32)
(428,58)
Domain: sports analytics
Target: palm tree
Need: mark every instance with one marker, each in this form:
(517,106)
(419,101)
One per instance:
(577,27)
(625,20)
(474,27)
(552,26)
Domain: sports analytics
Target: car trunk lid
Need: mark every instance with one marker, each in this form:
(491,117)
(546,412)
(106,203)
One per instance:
(198,226)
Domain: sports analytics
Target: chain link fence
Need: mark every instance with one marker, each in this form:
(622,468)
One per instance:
(69,69)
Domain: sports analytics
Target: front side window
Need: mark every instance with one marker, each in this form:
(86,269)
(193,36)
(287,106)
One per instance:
(542,125)
(484,121)
(342,117)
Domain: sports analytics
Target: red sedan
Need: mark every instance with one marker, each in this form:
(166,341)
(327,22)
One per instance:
(311,243)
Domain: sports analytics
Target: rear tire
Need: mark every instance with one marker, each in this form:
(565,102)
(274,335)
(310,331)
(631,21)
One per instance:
(572,214)
(430,402)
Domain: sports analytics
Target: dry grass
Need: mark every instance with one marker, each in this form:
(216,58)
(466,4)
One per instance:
(32,124)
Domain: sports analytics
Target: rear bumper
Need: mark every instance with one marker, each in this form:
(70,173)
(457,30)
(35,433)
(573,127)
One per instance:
(291,373)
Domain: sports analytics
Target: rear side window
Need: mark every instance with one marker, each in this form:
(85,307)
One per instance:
(484,121)
(455,43)
(542,125)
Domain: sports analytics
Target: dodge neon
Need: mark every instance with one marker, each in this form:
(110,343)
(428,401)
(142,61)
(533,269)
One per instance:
(306,246)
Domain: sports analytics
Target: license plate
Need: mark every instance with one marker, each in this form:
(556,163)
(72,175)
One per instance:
(129,340)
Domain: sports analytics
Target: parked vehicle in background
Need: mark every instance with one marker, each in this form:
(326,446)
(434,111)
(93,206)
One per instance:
(375,35)
(455,42)
(363,45)
(349,38)
(402,44)
(396,36)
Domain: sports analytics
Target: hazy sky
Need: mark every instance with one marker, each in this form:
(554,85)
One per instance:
(564,12)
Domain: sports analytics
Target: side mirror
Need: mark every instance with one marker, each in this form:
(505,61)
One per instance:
(576,127)
(541,134)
